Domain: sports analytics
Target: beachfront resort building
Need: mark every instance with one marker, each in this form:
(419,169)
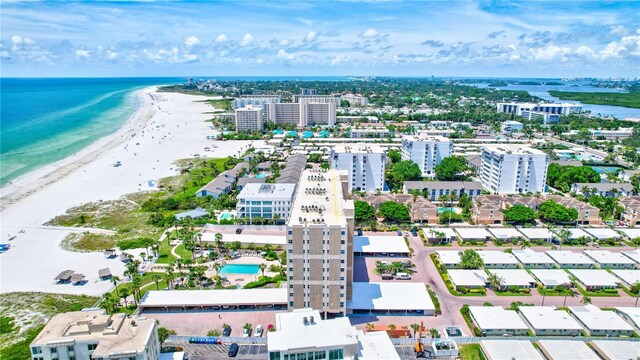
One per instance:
(265,201)
(512,169)
(284,113)
(320,243)
(303,334)
(548,113)
(303,113)
(93,334)
(426,151)
(255,100)
(364,164)
(249,119)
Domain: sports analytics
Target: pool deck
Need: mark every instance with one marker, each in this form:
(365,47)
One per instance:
(242,279)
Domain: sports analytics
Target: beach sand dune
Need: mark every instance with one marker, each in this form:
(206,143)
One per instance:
(166,127)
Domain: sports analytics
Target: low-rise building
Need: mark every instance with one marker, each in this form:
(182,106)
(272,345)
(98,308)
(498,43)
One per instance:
(433,190)
(505,234)
(223,183)
(265,201)
(537,233)
(509,350)
(630,209)
(629,314)
(494,320)
(551,278)
(370,133)
(473,234)
(472,279)
(610,134)
(567,259)
(566,350)
(615,350)
(511,126)
(533,259)
(513,277)
(633,255)
(439,234)
(610,260)
(487,210)
(594,279)
(628,277)
(303,332)
(547,320)
(380,246)
(599,322)
(494,259)
(450,259)
(93,334)
(602,189)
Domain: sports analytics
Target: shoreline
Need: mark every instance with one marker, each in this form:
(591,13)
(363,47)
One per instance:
(26,184)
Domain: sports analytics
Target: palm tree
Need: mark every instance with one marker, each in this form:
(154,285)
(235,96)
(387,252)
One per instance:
(218,239)
(496,281)
(585,300)
(369,327)
(392,327)
(434,332)
(262,268)
(415,327)
(564,236)
(216,266)
(115,280)
(156,278)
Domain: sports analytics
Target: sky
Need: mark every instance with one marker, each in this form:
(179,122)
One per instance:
(320,38)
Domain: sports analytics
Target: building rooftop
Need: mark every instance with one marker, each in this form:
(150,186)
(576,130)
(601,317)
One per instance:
(615,350)
(551,277)
(214,297)
(548,318)
(569,257)
(576,233)
(631,233)
(602,233)
(509,350)
(460,277)
(608,257)
(536,233)
(275,192)
(497,257)
(424,136)
(390,296)
(448,232)
(472,233)
(633,255)
(513,277)
(595,319)
(632,314)
(566,350)
(376,345)
(505,233)
(117,334)
(594,277)
(528,256)
(358,149)
(628,276)
(319,199)
(449,256)
(495,317)
(512,149)
(380,244)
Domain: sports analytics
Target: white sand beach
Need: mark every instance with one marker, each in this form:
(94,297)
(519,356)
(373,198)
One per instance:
(166,127)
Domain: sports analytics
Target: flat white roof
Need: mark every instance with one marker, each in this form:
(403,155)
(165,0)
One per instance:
(267,192)
(576,233)
(449,256)
(535,233)
(448,232)
(608,257)
(616,350)
(376,345)
(633,255)
(467,277)
(631,313)
(497,257)
(173,298)
(629,276)
(566,257)
(547,317)
(380,244)
(472,233)
(512,149)
(210,236)
(292,332)
(602,233)
(594,277)
(595,319)
(528,256)
(509,350)
(630,233)
(390,296)
(517,277)
(505,233)
(551,277)
(495,317)
(567,350)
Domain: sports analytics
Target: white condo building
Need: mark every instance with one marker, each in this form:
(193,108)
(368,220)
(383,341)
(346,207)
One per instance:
(93,334)
(303,113)
(365,165)
(355,100)
(249,119)
(547,112)
(284,113)
(426,151)
(512,169)
(255,100)
(265,201)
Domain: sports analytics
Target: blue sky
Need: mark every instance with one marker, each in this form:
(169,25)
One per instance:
(394,38)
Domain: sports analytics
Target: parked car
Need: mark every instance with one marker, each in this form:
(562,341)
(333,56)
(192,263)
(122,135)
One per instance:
(359,232)
(406,233)
(233,350)
(258,331)
(238,231)
(414,233)
(226,332)
(246,332)
(399,233)
(403,276)
(387,277)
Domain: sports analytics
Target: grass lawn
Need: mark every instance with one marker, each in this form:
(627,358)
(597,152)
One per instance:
(625,289)
(598,293)
(510,293)
(183,252)
(550,292)
(471,352)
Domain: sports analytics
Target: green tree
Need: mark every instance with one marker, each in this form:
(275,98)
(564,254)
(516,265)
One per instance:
(395,155)
(394,212)
(452,168)
(470,259)
(164,333)
(363,211)
(402,171)
(562,177)
(557,213)
(345,103)
(519,214)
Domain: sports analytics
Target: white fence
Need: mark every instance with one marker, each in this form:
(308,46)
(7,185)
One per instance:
(473,340)
(225,340)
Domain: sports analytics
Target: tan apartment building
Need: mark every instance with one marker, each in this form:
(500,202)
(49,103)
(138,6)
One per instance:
(486,209)
(320,243)
(587,214)
(631,209)
(420,209)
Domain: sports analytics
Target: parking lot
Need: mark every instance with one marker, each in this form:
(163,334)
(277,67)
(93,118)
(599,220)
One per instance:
(215,352)
(199,323)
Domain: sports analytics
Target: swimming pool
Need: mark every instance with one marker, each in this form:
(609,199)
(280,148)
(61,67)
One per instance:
(244,269)
(225,216)
(605,169)
(443,209)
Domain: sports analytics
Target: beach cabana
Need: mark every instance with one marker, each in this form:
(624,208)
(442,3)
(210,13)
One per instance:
(323,134)
(124,257)
(307,135)
(77,279)
(109,253)
(104,274)
(292,134)
(64,276)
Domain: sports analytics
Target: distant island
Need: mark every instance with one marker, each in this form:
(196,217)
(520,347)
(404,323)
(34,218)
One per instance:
(630,99)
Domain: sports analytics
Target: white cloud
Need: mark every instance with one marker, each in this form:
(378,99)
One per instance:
(551,52)
(282,54)
(370,33)
(222,38)
(311,36)
(83,54)
(339,59)
(192,41)
(585,52)
(612,50)
(246,39)
(111,54)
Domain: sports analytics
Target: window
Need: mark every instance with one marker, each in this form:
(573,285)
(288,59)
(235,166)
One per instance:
(91,347)
(69,348)
(53,350)
(336,354)
(36,350)
(274,355)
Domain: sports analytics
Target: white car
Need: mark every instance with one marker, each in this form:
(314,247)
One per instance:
(258,331)
(246,332)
